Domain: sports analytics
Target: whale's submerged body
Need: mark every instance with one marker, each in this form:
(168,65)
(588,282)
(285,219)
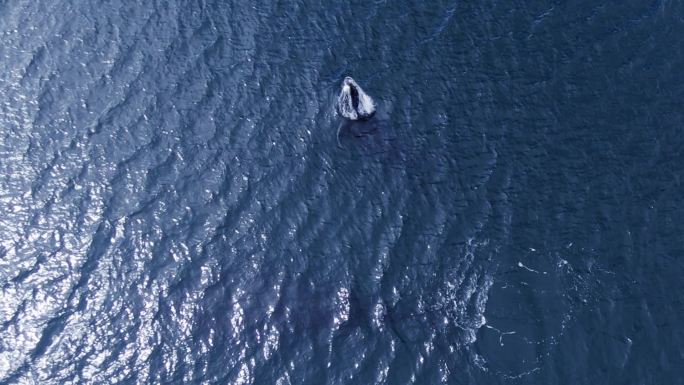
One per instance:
(353,103)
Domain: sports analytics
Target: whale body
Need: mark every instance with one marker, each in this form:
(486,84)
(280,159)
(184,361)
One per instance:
(353,103)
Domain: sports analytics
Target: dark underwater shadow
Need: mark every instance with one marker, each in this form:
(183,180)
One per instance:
(374,137)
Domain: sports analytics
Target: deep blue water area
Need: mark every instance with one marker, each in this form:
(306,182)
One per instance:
(180,202)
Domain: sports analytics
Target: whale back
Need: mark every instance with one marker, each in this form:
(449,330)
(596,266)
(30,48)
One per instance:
(353,103)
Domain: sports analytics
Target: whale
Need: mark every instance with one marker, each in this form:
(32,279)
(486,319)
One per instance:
(353,103)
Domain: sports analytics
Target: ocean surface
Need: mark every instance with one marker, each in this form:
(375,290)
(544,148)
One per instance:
(180,203)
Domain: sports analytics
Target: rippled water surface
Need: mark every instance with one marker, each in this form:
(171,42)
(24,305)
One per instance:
(180,202)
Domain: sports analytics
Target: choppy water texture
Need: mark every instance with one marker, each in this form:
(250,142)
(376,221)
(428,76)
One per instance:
(180,202)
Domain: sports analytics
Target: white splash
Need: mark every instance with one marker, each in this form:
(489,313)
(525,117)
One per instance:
(353,103)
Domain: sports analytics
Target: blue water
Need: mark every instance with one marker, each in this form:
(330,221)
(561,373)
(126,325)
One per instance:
(180,202)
